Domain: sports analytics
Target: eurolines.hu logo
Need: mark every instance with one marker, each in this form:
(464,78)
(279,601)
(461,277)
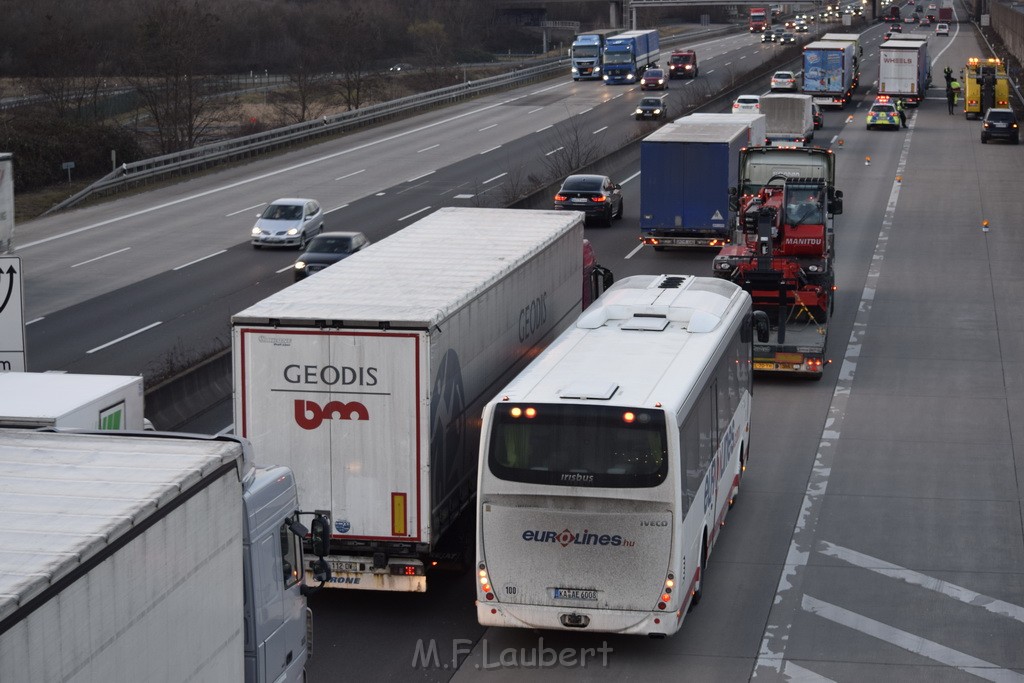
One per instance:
(565,538)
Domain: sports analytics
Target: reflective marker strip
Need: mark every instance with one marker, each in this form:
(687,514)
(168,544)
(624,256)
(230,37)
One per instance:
(398,514)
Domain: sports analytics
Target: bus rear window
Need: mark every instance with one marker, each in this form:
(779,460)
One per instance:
(577,445)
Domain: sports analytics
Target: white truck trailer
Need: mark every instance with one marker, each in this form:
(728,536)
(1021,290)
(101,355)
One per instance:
(157,557)
(368,379)
(789,120)
(65,400)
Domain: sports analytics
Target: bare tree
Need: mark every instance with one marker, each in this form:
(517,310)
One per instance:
(569,148)
(431,39)
(356,46)
(173,44)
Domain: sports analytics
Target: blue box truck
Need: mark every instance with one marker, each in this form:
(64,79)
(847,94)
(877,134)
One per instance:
(629,54)
(686,169)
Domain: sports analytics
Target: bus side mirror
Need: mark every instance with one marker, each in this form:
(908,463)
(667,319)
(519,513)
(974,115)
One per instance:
(762,325)
(320,535)
(734,199)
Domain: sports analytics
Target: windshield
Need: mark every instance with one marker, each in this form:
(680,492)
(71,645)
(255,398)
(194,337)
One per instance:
(582,184)
(330,245)
(650,102)
(680,59)
(585,51)
(576,445)
(283,212)
(804,204)
(618,57)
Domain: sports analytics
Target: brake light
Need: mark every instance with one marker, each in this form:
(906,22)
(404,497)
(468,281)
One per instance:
(485,582)
(599,198)
(561,198)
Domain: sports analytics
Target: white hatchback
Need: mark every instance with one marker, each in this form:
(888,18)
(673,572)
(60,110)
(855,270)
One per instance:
(783,81)
(942,29)
(288,222)
(747,103)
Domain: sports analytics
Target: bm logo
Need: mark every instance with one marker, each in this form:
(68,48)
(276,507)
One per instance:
(310,415)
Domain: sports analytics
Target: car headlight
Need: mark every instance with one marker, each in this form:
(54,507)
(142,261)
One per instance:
(605,77)
(630,77)
(639,111)
(657,112)
(661,81)
(575,70)
(300,265)
(256,231)
(597,69)
(293,231)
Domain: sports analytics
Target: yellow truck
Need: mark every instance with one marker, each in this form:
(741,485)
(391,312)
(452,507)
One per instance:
(984,86)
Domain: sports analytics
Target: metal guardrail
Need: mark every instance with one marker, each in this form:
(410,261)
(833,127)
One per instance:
(211,154)
(226,150)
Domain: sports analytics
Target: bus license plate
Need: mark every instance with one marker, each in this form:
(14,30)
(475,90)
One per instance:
(575,594)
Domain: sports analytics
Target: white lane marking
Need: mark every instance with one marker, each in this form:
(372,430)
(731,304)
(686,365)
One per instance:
(190,263)
(950,590)
(776,634)
(35,320)
(726,64)
(248,208)
(834,138)
(798,673)
(349,175)
(337,208)
(269,174)
(550,87)
(618,96)
(412,180)
(534,111)
(557,149)
(711,71)
(285,269)
(909,642)
(99,257)
(636,249)
(463,196)
(427,149)
(490,150)
(481,130)
(584,111)
(500,175)
(600,130)
(410,215)
(541,130)
(743,57)
(127,336)
(630,178)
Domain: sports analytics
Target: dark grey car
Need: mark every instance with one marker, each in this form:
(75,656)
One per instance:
(652,107)
(1000,124)
(595,195)
(328,248)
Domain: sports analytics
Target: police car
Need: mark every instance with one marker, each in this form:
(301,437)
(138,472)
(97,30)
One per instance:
(883,114)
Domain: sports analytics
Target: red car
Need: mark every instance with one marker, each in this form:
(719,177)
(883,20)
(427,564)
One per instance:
(653,79)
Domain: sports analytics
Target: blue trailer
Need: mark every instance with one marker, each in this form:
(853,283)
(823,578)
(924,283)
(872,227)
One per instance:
(629,54)
(686,169)
(587,53)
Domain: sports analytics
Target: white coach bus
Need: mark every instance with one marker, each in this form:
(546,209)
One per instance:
(608,465)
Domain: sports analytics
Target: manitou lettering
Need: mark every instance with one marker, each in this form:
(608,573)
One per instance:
(331,375)
(310,415)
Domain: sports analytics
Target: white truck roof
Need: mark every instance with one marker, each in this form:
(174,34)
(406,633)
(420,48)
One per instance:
(66,497)
(51,395)
(419,275)
(701,130)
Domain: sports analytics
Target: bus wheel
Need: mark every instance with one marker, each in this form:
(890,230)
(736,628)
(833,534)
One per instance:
(698,592)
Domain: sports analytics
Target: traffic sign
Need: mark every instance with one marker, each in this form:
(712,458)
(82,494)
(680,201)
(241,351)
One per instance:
(12,315)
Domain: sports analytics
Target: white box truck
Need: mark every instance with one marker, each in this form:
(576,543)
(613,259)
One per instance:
(158,557)
(789,120)
(368,378)
(755,123)
(65,400)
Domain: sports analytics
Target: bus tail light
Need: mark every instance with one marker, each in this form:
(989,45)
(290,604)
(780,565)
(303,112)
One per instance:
(666,596)
(485,582)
